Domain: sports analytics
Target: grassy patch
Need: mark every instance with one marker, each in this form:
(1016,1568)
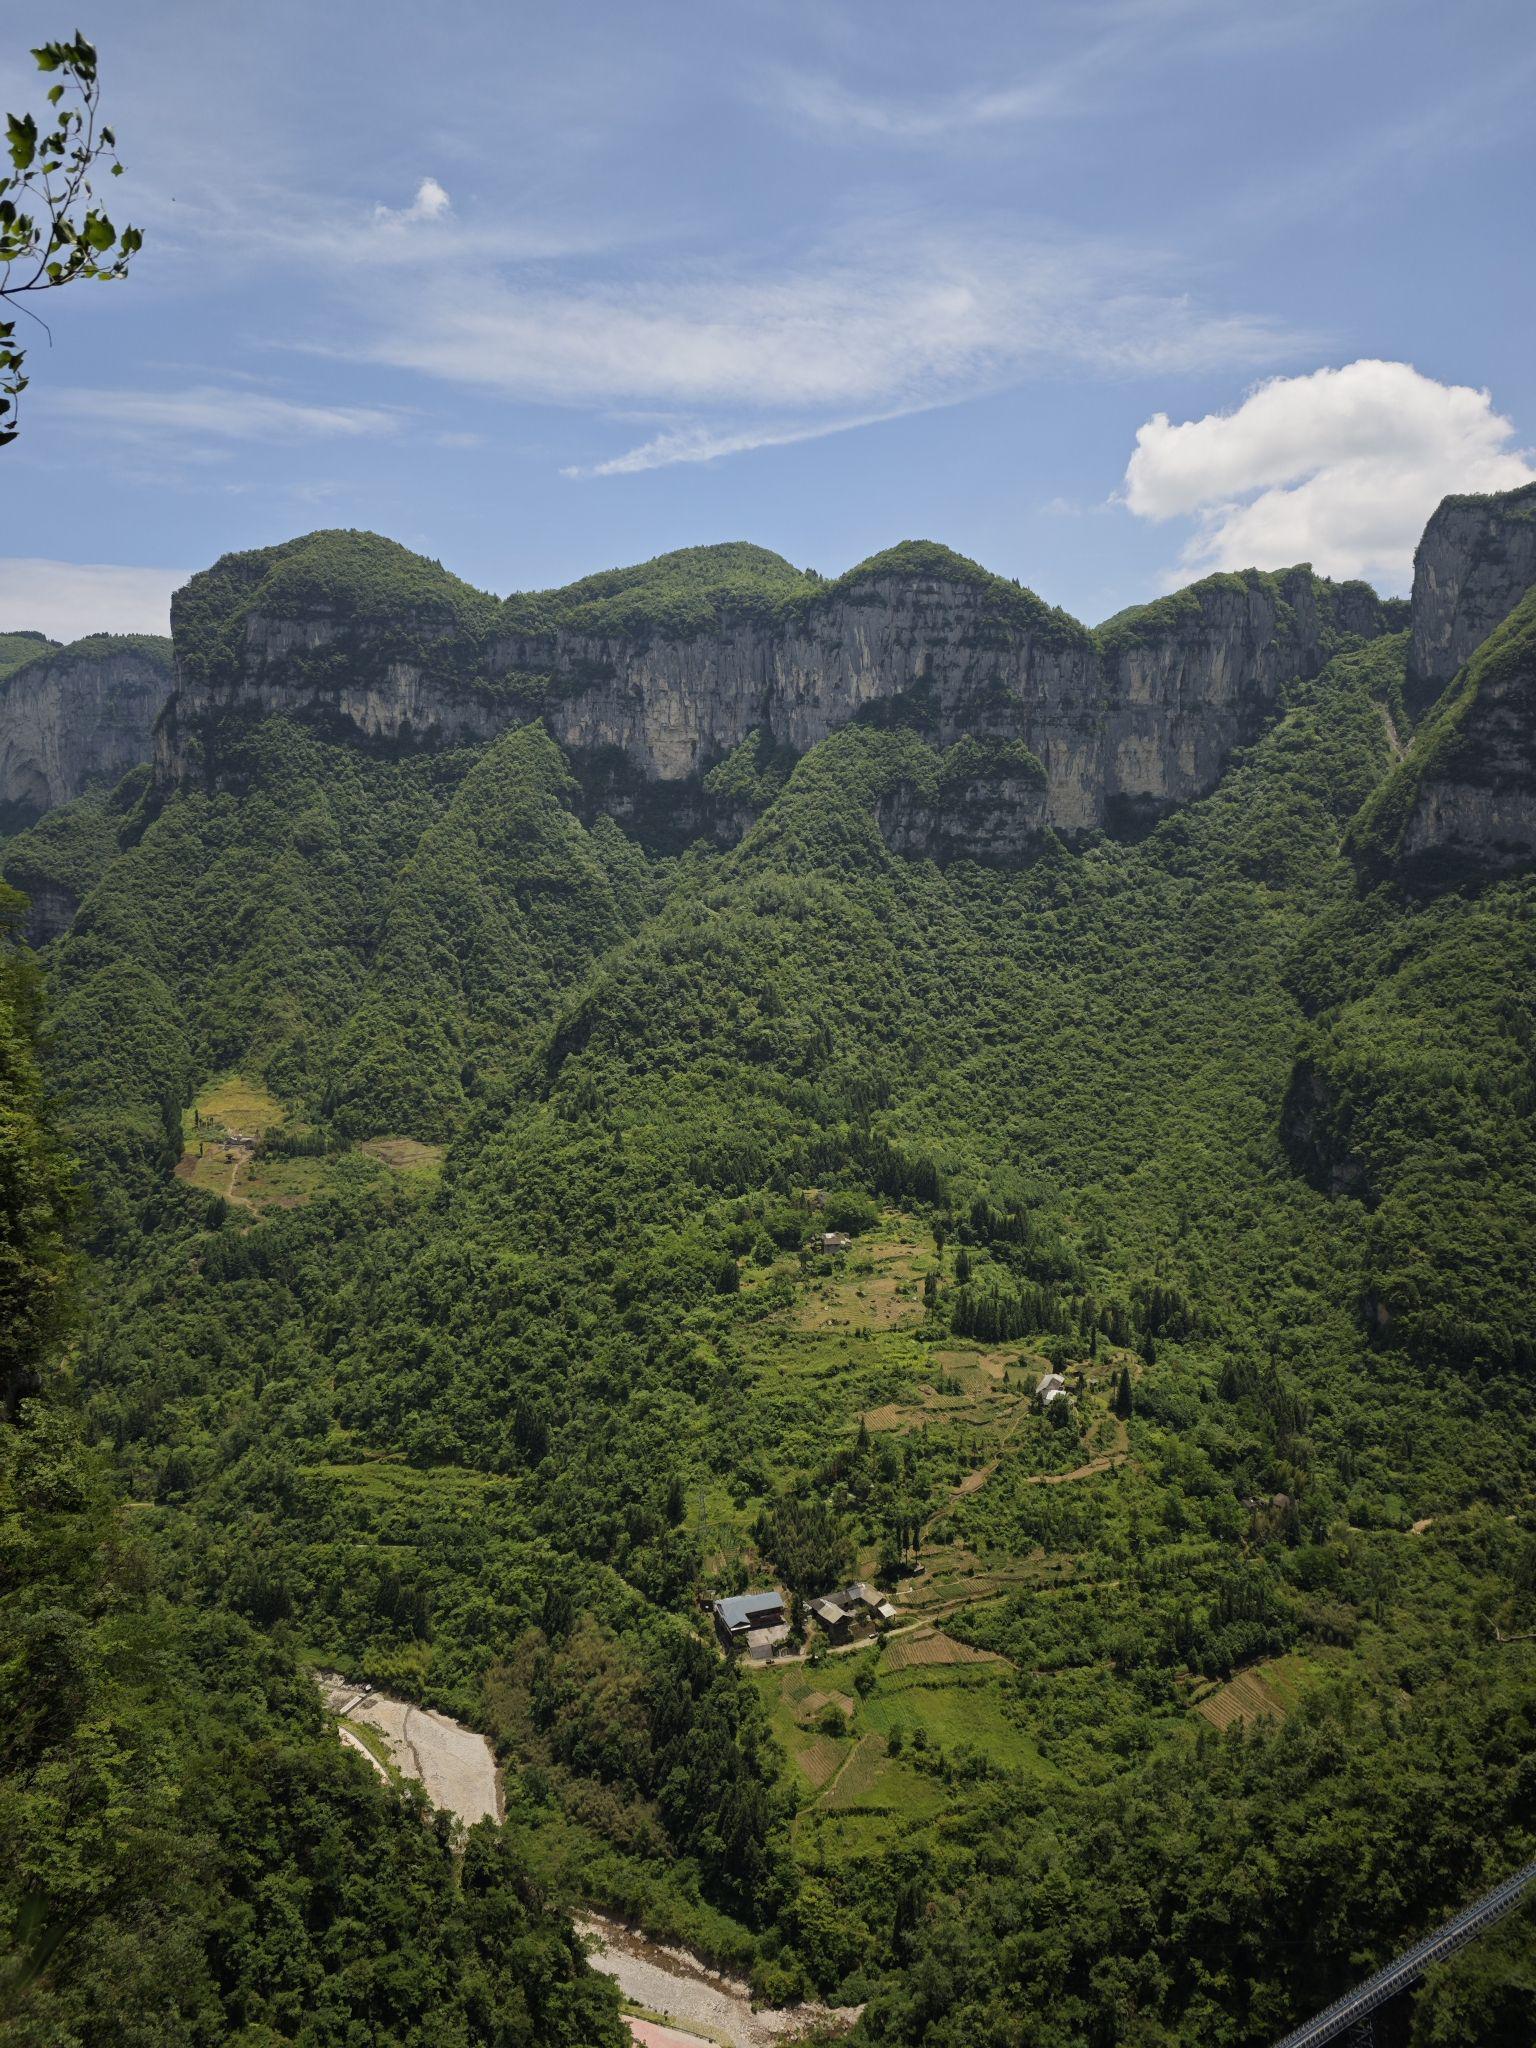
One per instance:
(408,1157)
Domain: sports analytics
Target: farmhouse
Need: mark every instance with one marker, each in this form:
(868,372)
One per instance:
(835,1240)
(754,1622)
(1052,1387)
(850,1605)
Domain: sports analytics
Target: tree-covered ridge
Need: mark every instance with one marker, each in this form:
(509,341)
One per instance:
(344,575)
(673,597)
(506,900)
(1006,604)
(1186,608)
(696,590)
(16,649)
(349,578)
(1518,503)
(97,648)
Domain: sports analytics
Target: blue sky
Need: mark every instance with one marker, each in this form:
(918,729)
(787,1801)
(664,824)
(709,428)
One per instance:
(1102,292)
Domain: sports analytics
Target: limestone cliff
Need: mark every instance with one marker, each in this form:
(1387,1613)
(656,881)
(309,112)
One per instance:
(654,677)
(1462,806)
(77,715)
(1476,561)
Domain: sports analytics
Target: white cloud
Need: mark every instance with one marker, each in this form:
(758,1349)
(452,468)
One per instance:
(67,600)
(899,325)
(1135,38)
(1340,468)
(431,203)
(215,412)
(705,444)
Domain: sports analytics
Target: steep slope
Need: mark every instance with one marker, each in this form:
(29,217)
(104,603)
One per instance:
(1463,803)
(191,1856)
(653,677)
(1476,561)
(75,715)
(505,901)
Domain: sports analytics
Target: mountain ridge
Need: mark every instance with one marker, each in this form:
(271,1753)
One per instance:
(653,677)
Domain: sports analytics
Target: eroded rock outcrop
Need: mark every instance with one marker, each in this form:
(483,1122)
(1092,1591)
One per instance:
(652,678)
(1476,561)
(77,715)
(1463,804)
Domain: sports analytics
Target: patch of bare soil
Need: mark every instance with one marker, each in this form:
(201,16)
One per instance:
(680,1986)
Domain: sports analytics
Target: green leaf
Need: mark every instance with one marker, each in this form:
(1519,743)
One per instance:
(22,137)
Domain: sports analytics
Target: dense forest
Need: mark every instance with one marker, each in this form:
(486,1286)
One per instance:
(514,1339)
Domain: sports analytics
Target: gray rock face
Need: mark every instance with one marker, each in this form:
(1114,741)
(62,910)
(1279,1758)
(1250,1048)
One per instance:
(1476,561)
(1462,806)
(1125,723)
(1475,807)
(84,714)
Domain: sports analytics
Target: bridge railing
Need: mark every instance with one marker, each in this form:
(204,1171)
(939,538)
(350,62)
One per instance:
(1412,1963)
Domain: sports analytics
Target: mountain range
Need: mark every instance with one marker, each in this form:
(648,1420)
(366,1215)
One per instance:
(531,1115)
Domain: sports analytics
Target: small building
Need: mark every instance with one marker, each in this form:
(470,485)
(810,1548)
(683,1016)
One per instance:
(740,1616)
(835,1240)
(848,1607)
(832,1615)
(1052,1387)
(885,1611)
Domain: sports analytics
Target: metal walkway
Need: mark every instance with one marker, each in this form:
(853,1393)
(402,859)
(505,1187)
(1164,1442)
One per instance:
(1354,2009)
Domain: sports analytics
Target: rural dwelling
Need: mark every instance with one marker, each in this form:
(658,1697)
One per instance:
(833,1618)
(741,1617)
(849,1606)
(835,1240)
(1052,1387)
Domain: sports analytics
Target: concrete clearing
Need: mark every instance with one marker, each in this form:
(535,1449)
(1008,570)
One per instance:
(456,1766)
(692,1996)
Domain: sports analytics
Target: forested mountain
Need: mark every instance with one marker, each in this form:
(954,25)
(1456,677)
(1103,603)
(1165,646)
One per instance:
(457,1046)
(73,716)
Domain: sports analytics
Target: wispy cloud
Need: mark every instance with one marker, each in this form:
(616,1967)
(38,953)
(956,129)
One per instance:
(902,324)
(705,444)
(219,413)
(1129,38)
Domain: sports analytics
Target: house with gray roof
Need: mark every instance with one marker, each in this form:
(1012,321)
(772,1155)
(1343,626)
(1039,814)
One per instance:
(755,1622)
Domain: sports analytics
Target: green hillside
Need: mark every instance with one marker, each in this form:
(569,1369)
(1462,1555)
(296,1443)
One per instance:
(1244,1153)
(17,649)
(190,1855)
